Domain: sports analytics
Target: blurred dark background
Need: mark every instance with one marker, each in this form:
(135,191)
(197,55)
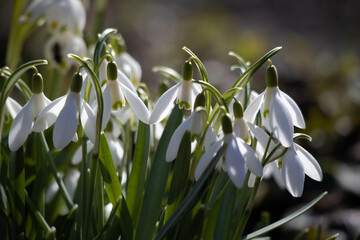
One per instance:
(319,67)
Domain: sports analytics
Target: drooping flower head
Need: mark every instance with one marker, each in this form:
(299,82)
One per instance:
(183,93)
(61,15)
(279,112)
(64,112)
(24,120)
(237,157)
(241,129)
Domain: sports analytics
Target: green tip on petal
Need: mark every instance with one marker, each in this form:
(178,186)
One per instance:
(76,82)
(112,70)
(37,83)
(200,100)
(109,127)
(271,76)
(226,124)
(187,71)
(238,110)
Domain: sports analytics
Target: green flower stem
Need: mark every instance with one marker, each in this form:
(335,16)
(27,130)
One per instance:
(214,91)
(50,231)
(8,86)
(84,185)
(63,190)
(247,211)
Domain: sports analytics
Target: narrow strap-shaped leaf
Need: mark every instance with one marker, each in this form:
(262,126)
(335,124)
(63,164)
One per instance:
(198,190)
(286,219)
(156,182)
(113,189)
(100,43)
(136,181)
(180,175)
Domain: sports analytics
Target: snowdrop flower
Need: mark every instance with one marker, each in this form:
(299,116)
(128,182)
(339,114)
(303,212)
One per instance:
(60,45)
(195,123)
(116,90)
(279,111)
(61,15)
(241,129)
(290,169)
(64,112)
(238,156)
(24,120)
(183,93)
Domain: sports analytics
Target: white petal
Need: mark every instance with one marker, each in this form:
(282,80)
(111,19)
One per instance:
(235,163)
(124,80)
(164,105)
(294,110)
(21,126)
(176,138)
(107,106)
(36,8)
(311,166)
(66,124)
(271,169)
(12,106)
(293,173)
(136,104)
(125,60)
(88,121)
(252,162)
(253,108)
(197,89)
(206,159)
(40,102)
(49,114)
(210,138)
(280,122)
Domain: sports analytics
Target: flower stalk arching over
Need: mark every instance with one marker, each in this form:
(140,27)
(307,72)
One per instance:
(279,111)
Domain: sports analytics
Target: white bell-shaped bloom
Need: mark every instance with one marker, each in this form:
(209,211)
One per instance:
(64,112)
(60,45)
(129,66)
(238,157)
(12,108)
(61,15)
(279,112)
(116,90)
(24,120)
(293,165)
(183,93)
(195,123)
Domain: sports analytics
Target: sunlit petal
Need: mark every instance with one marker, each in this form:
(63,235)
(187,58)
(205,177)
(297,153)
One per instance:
(88,121)
(12,106)
(294,110)
(136,104)
(49,114)
(252,162)
(311,166)
(293,173)
(21,126)
(235,163)
(124,80)
(164,105)
(280,122)
(253,108)
(206,159)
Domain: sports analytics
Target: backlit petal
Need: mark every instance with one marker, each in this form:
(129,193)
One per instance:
(235,163)
(253,108)
(206,159)
(88,121)
(124,80)
(293,173)
(294,110)
(252,162)
(21,126)
(164,104)
(12,106)
(311,166)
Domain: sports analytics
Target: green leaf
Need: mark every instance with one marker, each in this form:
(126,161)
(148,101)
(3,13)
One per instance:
(113,189)
(198,190)
(246,76)
(334,237)
(156,182)
(180,175)
(100,43)
(168,73)
(286,219)
(199,64)
(136,180)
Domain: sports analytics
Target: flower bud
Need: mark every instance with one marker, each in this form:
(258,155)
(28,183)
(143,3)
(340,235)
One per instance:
(238,110)
(187,71)
(226,124)
(112,70)
(76,82)
(37,84)
(271,76)
(200,100)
